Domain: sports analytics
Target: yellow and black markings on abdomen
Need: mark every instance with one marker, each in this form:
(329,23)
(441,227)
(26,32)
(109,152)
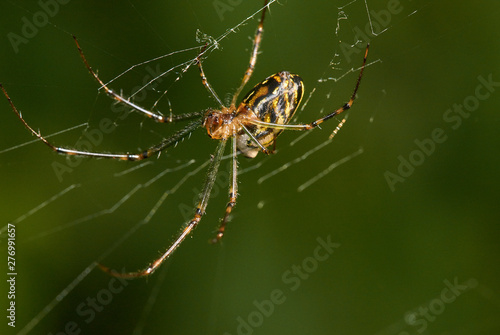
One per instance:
(274,100)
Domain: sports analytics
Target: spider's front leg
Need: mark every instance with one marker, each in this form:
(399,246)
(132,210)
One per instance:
(172,140)
(157,117)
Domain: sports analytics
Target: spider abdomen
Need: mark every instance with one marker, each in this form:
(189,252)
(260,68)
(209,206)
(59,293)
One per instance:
(274,100)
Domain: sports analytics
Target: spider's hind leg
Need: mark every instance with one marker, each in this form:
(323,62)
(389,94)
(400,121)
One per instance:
(190,226)
(233,194)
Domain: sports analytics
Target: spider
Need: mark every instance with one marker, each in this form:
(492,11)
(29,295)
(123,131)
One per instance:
(251,127)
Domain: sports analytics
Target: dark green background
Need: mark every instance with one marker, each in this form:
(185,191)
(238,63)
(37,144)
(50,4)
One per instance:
(397,248)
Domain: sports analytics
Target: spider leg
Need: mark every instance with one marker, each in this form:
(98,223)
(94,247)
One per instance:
(351,100)
(172,140)
(253,58)
(256,141)
(317,122)
(204,79)
(199,212)
(233,193)
(157,117)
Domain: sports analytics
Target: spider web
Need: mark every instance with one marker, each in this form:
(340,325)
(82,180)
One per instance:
(162,180)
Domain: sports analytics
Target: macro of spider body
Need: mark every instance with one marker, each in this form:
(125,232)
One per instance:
(251,127)
(274,101)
